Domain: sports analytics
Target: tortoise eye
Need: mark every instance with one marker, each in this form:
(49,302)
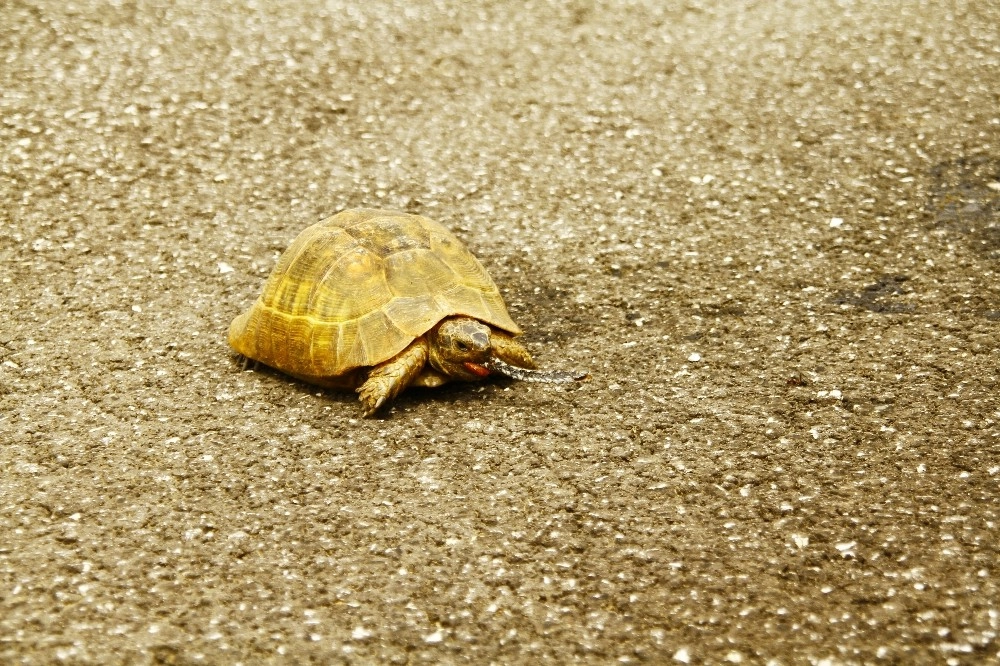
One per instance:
(461,346)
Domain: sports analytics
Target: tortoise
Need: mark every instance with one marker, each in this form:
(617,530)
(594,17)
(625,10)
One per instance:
(377,301)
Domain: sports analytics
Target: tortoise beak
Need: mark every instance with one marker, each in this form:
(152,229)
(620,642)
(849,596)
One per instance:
(477,369)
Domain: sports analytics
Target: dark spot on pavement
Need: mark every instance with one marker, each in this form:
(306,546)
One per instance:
(965,199)
(877,297)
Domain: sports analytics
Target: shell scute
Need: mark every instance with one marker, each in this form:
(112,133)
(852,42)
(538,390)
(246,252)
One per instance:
(464,266)
(417,272)
(415,315)
(386,236)
(352,287)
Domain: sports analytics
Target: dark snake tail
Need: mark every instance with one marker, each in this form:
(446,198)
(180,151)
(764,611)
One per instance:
(526,375)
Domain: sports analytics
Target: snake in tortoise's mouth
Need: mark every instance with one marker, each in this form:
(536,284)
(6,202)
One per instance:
(523,374)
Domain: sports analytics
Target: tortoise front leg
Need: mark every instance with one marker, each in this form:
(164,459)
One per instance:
(509,350)
(386,380)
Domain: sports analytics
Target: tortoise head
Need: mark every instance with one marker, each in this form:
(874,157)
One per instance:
(460,348)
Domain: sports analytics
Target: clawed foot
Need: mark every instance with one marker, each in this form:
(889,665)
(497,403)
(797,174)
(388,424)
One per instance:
(245,362)
(372,397)
(373,394)
(386,380)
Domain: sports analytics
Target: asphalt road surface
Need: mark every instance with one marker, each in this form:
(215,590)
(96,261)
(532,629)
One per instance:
(769,230)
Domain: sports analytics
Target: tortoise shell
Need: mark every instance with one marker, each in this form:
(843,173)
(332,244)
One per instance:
(357,288)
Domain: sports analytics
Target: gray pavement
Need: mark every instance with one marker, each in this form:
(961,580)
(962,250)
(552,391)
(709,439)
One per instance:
(770,230)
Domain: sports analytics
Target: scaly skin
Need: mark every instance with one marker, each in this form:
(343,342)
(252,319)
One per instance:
(387,380)
(510,351)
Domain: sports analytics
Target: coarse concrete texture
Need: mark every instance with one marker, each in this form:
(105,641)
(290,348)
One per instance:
(770,230)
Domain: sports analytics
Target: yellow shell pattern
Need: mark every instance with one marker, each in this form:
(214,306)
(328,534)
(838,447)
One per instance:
(355,289)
